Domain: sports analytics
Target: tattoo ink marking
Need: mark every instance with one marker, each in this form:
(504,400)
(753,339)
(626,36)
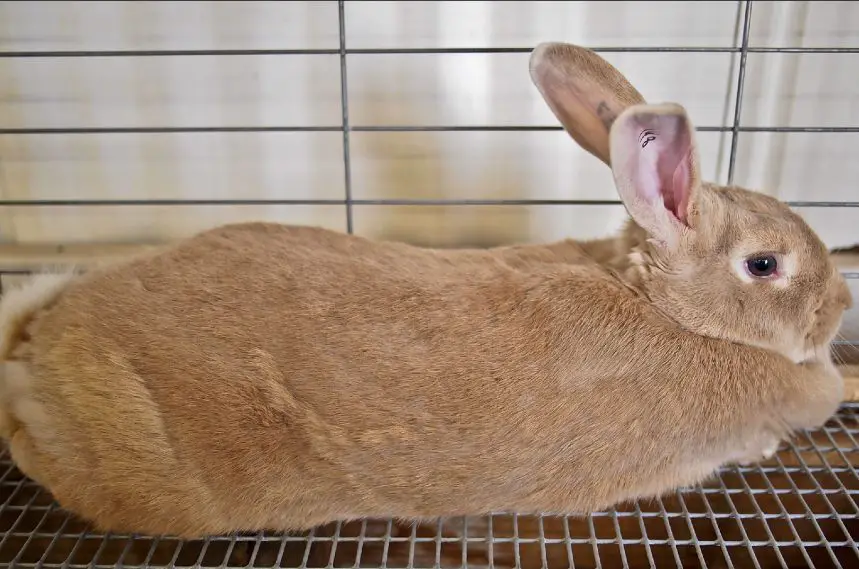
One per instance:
(605,114)
(646,136)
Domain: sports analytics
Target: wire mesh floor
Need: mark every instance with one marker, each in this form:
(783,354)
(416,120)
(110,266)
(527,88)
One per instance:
(798,509)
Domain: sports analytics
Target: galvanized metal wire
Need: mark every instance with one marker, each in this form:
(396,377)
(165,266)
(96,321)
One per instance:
(797,510)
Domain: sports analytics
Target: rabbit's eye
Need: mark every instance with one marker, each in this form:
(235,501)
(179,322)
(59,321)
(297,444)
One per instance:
(763,266)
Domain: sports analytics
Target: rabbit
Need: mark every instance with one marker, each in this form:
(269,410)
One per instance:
(259,376)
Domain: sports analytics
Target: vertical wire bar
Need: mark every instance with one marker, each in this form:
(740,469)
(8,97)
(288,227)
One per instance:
(464,557)
(516,553)
(386,544)
(258,542)
(437,538)
(619,535)
(55,539)
(693,536)
(720,539)
(129,543)
(227,555)
(359,550)
(541,537)
(105,540)
(672,542)
(178,549)
(490,540)
(741,80)
(592,538)
(344,107)
(568,544)
(335,541)
(202,555)
(281,551)
(153,545)
(74,551)
(413,536)
(308,547)
(645,540)
(736,39)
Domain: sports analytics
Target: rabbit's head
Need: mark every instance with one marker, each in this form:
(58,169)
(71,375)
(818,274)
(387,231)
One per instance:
(721,261)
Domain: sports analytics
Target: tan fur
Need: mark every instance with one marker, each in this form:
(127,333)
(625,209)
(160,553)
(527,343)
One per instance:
(261,376)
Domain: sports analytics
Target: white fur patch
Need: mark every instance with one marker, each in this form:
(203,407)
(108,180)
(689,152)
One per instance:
(17,306)
(21,303)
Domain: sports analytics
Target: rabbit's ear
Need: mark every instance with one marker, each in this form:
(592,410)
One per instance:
(584,91)
(656,169)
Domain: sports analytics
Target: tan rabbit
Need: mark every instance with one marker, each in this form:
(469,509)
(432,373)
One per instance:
(261,376)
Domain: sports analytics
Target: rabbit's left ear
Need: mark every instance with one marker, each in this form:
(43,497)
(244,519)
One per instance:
(584,91)
(656,169)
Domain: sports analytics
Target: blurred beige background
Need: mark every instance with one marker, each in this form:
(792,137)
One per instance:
(396,89)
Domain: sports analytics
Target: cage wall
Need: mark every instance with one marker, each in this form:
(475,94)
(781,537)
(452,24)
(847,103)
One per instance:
(126,123)
(162,101)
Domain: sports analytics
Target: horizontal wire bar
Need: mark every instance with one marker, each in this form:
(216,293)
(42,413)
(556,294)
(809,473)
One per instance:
(355,201)
(285,201)
(274,537)
(386,128)
(269,537)
(655,516)
(166,129)
(550,128)
(527,540)
(401,51)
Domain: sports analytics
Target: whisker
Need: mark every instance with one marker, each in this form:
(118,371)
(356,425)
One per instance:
(848,343)
(846,351)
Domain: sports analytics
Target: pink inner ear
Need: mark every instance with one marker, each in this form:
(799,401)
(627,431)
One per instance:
(672,160)
(675,187)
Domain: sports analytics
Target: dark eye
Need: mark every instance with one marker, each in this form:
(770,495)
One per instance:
(763,266)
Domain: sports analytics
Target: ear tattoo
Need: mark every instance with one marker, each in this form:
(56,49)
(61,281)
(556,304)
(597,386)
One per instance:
(647,135)
(605,114)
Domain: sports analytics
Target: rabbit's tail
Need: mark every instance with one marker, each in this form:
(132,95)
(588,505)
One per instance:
(18,307)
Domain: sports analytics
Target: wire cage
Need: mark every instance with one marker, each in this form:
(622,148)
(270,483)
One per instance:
(798,509)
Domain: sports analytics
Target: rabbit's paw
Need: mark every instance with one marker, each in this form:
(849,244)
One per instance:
(758,449)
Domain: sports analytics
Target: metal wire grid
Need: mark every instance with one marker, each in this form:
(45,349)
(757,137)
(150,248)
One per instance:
(744,15)
(797,510)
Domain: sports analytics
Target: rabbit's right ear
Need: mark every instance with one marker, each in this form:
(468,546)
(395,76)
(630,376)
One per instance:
(656,169)
(585,92)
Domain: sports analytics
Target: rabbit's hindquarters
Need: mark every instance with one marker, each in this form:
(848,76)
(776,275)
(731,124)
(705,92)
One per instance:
(24,420)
